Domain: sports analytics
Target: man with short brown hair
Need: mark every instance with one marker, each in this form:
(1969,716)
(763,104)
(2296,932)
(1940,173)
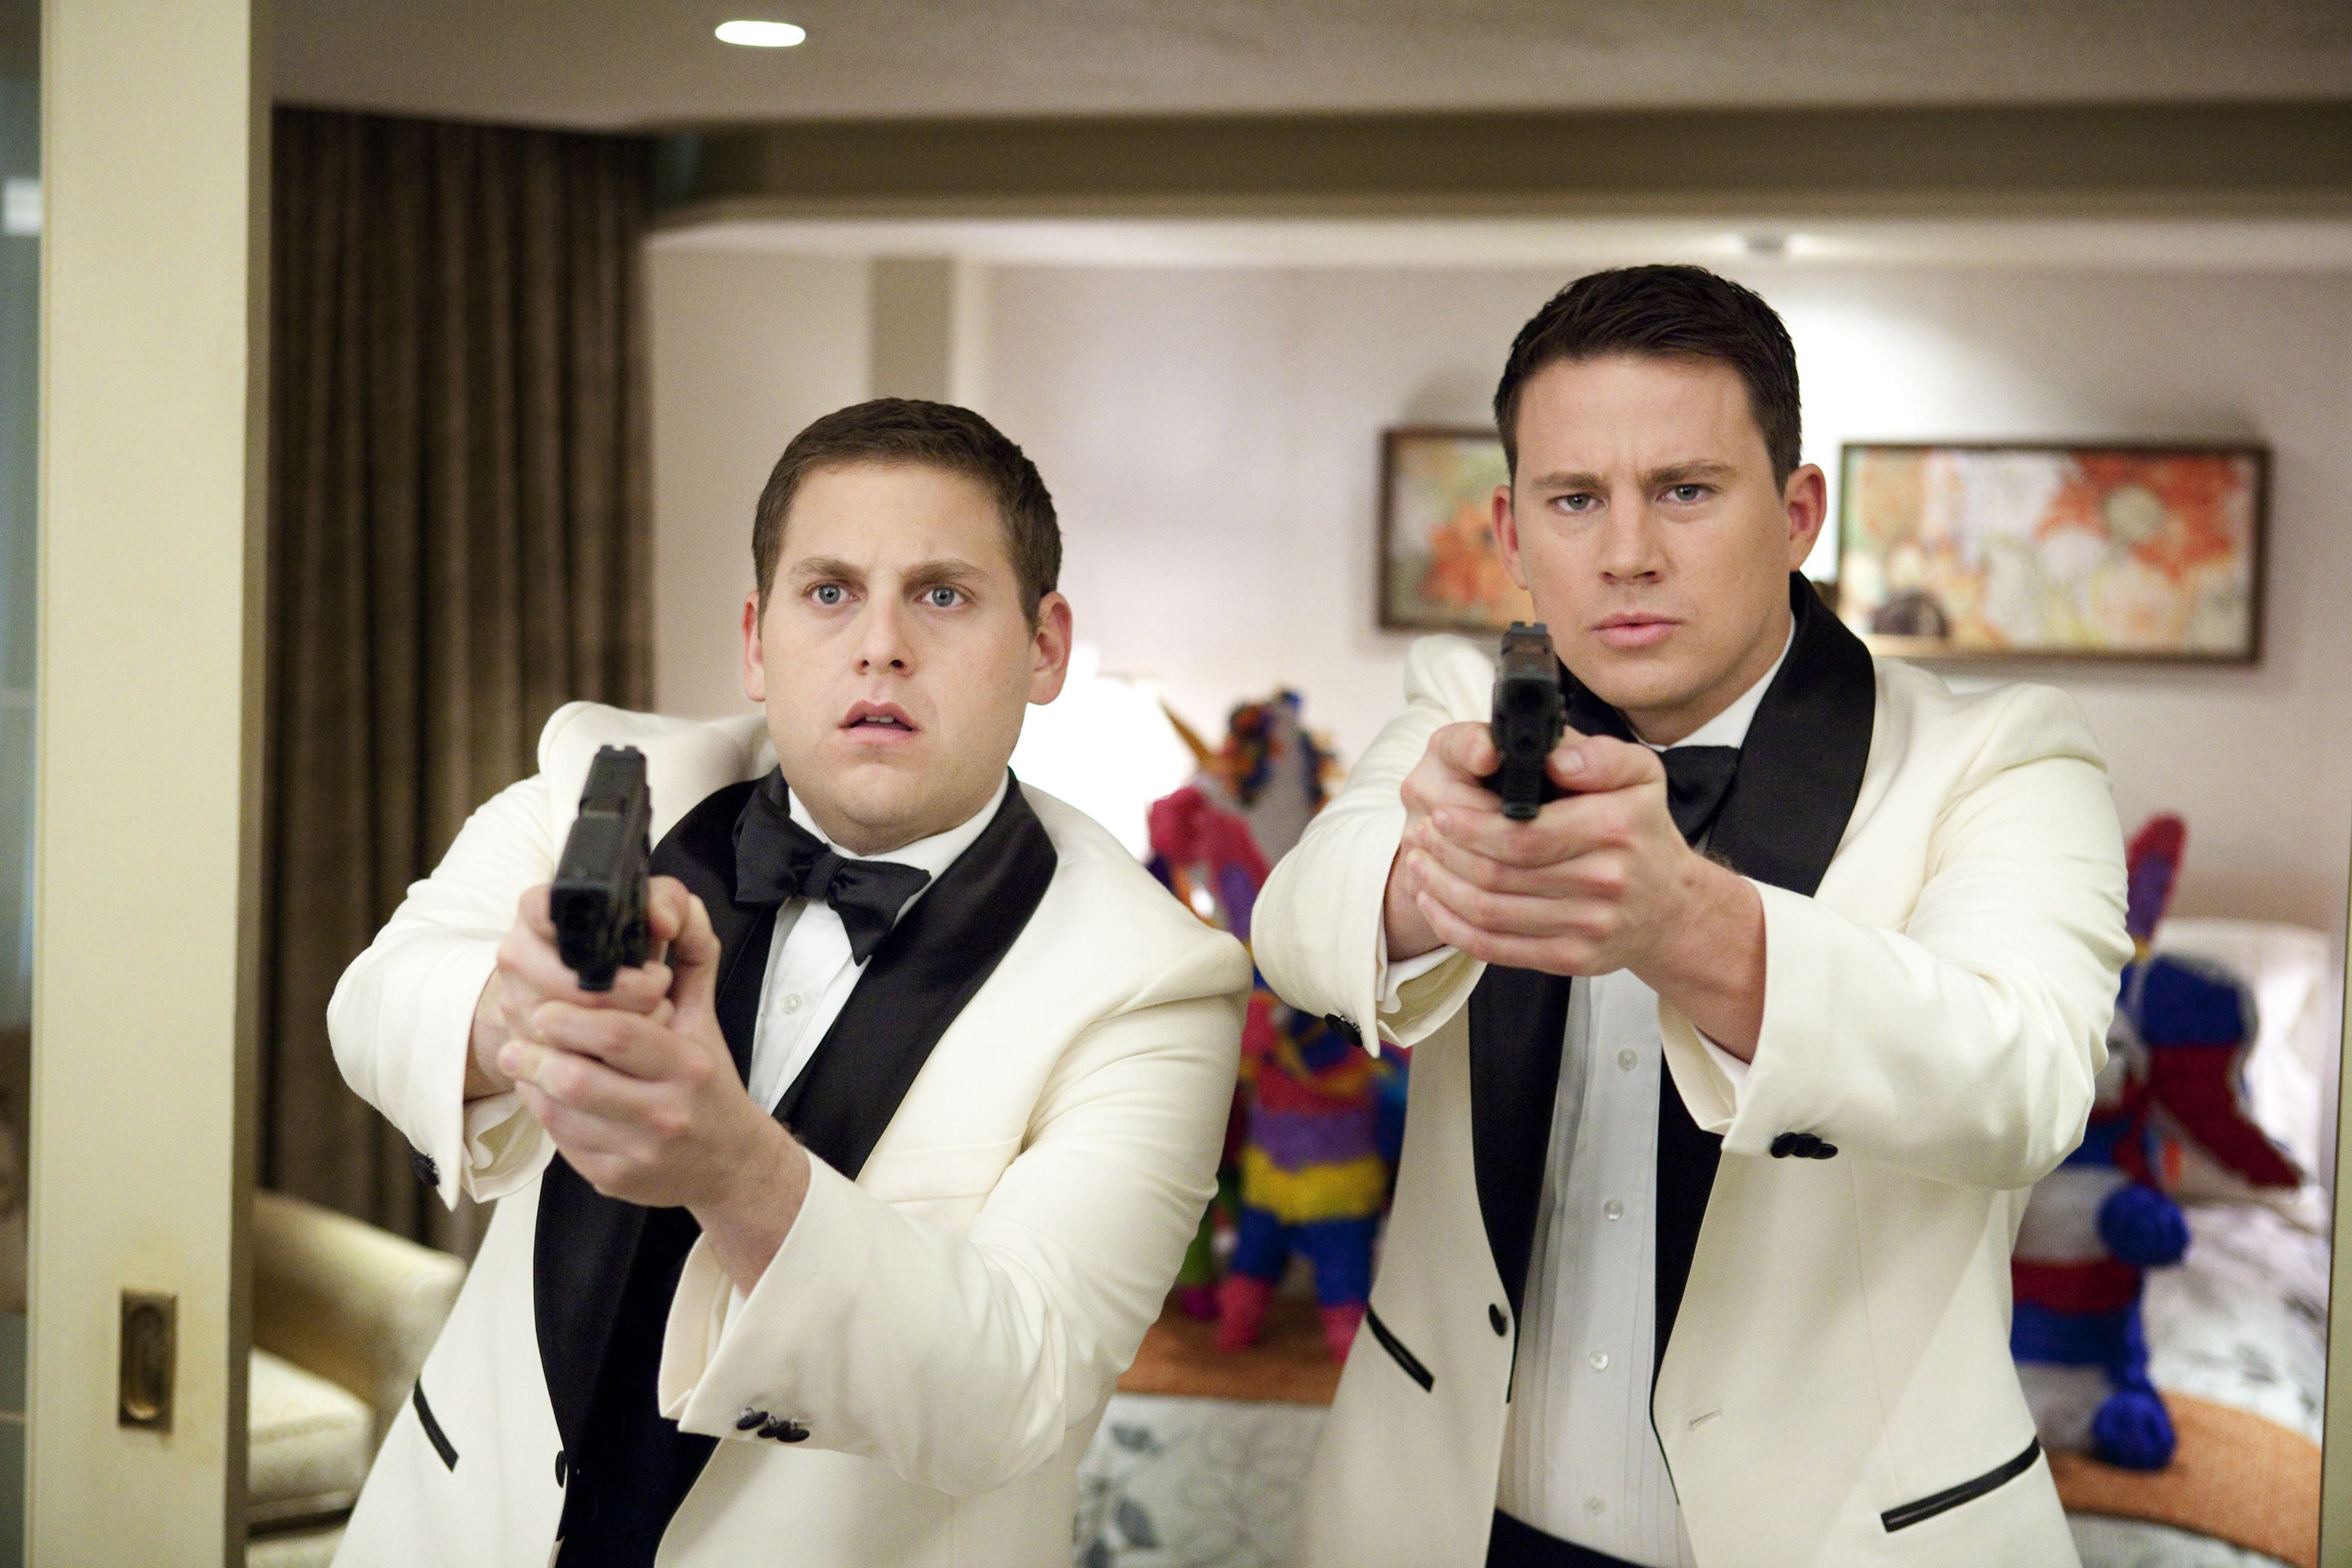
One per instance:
(826,1232)
(939,435)
(1732,1065)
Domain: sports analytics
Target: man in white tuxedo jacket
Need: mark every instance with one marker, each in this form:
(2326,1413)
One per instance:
(824,1235)
(1732,1066)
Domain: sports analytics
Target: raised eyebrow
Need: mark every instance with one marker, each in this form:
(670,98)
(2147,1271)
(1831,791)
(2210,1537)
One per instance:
(1689,473)
(949,569)
(816,568)
(1567,483)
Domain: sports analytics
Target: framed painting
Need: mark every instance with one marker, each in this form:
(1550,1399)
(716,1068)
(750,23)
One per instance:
(2053,551)
(1441,570)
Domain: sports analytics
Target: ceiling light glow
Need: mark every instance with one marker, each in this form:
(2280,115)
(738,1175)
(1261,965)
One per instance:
(762,34)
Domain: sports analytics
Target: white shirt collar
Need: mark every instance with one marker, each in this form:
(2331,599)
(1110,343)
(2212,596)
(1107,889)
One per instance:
(1730,728)
(934,854)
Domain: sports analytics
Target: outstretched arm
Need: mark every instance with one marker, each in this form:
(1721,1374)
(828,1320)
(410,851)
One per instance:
(1321,931)
(402,1019)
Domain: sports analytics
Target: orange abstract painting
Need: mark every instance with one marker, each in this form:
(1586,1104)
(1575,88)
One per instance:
(1440,569)
(2148,552)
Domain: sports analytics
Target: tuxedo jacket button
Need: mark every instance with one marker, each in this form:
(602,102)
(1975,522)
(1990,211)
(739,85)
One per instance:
(750,1418)
(426,1171)
(1502,1325)
(1824,1151)
(1805,1146)
(1784,1145)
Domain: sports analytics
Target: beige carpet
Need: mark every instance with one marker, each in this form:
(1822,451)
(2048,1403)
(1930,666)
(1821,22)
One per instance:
(1289,1365)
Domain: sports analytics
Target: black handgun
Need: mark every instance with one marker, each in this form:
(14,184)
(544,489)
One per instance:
(598,899)
(1529,717)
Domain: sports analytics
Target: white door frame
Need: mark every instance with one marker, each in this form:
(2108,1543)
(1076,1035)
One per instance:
(153,349)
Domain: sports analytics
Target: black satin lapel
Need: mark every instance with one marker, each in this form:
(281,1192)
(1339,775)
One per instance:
(1800,774)
(742,975)
(586,1240)
(1800,769)
(1518,1023)
(938,955)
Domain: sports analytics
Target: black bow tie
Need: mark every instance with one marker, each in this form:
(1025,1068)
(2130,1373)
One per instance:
(776,859)
(1698,777)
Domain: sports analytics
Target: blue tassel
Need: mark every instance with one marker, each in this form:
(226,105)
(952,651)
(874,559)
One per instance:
(2142,1226)
(2133,1431)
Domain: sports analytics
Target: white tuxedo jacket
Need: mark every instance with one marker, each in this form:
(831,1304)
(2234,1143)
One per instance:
(1838,1389)
(946,1328)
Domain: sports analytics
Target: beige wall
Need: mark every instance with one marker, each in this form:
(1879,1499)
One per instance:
(747,347)
(1210,434)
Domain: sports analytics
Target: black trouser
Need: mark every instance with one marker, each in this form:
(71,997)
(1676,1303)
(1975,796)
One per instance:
(1517,1545)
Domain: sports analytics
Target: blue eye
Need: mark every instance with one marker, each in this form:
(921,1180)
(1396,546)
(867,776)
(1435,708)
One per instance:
(942,597)
(1689,493)
(1580,501)
(826,594)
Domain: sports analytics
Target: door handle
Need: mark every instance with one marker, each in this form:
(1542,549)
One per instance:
(150,1354)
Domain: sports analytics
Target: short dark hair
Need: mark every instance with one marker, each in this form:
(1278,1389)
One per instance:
(1674,312)
(932,435)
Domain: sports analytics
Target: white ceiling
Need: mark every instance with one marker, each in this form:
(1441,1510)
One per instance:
(2124,245)
(634,63)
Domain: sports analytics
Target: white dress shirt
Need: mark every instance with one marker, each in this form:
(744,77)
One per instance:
(1581,1460)
(810,972)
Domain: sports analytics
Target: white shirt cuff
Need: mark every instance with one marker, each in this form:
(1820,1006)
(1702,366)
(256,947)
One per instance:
(502,1143)
(1735,1071)
(484,1117)
(1389,980)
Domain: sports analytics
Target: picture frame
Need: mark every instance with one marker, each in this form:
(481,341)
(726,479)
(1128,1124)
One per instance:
(1439,568)
(2145,551)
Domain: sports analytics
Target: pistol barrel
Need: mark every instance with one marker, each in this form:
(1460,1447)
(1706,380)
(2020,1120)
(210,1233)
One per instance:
(1529,717)
(597,900)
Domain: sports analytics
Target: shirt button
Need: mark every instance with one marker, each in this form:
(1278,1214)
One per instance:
(1593,1505)
(1599,1360)
(1626,1058)
(1613,1209)
(791,1001)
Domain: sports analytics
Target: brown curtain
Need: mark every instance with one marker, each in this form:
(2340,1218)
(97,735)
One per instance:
(460,540)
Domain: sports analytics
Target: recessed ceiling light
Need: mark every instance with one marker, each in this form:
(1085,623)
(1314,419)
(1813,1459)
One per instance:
(762,34)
